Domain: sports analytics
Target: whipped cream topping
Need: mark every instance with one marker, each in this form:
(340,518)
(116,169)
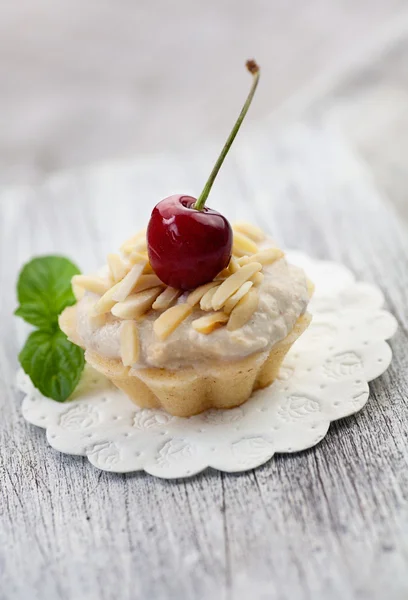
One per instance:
(283,297)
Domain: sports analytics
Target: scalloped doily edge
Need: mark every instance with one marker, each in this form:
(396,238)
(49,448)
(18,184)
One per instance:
(252,450)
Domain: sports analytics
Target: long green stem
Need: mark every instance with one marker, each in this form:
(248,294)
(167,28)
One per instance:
(254,70)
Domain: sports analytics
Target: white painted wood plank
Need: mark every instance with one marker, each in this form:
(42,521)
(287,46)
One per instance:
(327,524)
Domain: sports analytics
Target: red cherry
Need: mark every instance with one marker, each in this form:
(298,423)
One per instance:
(187,247)
(188,243)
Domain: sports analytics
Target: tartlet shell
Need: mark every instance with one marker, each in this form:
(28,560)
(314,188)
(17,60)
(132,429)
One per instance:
(186,391)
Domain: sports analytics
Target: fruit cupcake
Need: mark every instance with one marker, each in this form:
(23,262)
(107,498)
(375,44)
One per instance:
(187,351)
(192,313)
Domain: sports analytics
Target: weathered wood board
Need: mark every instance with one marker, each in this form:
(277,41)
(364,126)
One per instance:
(330,523)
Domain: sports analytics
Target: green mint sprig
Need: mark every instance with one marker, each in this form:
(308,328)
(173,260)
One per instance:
(53,363)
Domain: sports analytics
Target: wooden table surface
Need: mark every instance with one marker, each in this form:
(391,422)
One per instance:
(326,524)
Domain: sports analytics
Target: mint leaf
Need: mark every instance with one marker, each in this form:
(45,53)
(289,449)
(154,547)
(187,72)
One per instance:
(53,363)
(44,290)
(34,314)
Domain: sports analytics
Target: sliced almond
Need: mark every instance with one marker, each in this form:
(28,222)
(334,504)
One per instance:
(68,324)
(137,257)
(223,274)
(166,298)
(171,319)
(206,300)
(243,260)
(252,231)
(267,257)
(136,305)
(129,343)
(97,321)
(125,287)
(242,245)
(148,270)
(106,303)
(208,323)
(195,296)
(138,246)
(233,265)
(233,283)
(146,282)
(243,311)
(136,242)
(117,267)
(79,292)
(257,278)
(91,283)
(235,298)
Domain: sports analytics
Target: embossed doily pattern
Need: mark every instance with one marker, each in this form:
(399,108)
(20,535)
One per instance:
(324,377)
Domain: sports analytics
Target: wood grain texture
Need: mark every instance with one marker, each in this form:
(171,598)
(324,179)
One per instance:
(330,523)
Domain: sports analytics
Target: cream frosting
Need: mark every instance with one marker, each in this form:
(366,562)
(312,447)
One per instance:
(283,297)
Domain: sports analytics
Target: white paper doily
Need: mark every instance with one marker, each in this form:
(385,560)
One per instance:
(324,377)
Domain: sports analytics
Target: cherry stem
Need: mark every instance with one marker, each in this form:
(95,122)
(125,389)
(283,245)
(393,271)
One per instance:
(254,70)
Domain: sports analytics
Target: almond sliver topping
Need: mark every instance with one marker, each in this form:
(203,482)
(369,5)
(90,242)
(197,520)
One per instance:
(268,256)
(243,311)
(166,298)
(243,245)
(139,245)
(252,231)
(195,296)
(168,321)
(148,270)
(97,320)
(127,284)
(106,303)
(136,305)
(208,323)
(233,283)
(223,274)
(133,243)
(233,265)
(137,257)
(235,298)
(94,284)
(206,300)
(117,267)
(78,291)
(129,343)
(257,278)
(243,260)
(146,282)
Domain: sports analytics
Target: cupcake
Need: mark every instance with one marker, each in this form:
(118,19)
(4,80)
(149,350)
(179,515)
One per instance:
(191,314)
(190,350)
